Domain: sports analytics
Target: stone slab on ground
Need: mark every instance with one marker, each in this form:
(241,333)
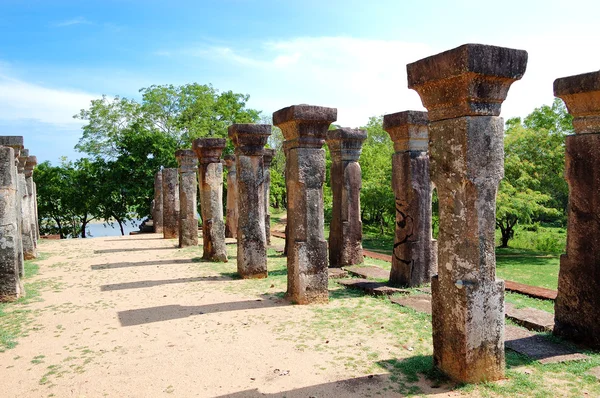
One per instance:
(368,272)
(230,241)
(377,256)
(278,234)
(531,291)
(277,248)
(537,347)
(371,287)
(530,318)
(418,302)
(337,273)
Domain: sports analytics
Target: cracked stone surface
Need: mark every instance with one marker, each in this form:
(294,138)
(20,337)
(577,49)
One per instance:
(188,204)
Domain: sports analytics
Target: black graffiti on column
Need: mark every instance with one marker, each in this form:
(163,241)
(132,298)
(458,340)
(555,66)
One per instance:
(404,224)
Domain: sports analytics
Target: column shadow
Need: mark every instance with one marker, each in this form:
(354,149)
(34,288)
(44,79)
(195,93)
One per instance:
(129,264)
(152,283)
(134,249)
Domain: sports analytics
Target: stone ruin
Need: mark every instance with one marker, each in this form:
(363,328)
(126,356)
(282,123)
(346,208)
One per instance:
(188,186)
(170,200)
(268,155)
(414,256)
(249,141)
(577,305)
(19,228)
(463,90)
(231,218)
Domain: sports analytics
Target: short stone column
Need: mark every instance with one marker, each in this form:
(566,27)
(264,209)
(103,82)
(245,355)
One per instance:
(249,141)
(231,219)
(463,90)
(345,231)
(267,159)
(577,305)
(11,287)
(210,179)
(304,128)
(188,205)
(157,215)
(170,189)
(16,143)
(413,259)
(31,214)
(29,251)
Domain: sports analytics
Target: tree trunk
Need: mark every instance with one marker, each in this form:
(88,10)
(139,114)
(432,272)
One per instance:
(60,231)
(121,227)
(83,225)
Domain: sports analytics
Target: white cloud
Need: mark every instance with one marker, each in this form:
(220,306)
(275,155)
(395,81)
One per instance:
(23,100)
(73,21)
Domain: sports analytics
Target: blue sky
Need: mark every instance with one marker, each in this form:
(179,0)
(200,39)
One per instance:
(55,56)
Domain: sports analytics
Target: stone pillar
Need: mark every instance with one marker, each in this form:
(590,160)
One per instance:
(210,179)
(413,256)
(170,189)
(463,90)
(16,143)
(304,128)
(11,287)
(577,305)
(35,208)
(29,251)
(249,141)
(285,146)
(345,232)
(267,159)
(157,215)
(31,214)
(231,220)
(188,205)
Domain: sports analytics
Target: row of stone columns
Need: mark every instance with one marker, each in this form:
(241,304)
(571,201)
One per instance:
(19,229)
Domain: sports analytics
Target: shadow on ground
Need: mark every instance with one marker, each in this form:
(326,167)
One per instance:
(169,312)
(134,249)
(152,283)
(128,264)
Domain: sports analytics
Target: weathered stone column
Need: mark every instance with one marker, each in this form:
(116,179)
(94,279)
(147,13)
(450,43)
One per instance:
(16,143)
(170,189)
(29,251)
(157,216)
(463,90)
(35,208)
(249,141)
(304,128)
(413,256)
(31,215)
(345,231)
(210,179)
(188,205)
(11,287)
(577,305)
(267,159)
(231,220)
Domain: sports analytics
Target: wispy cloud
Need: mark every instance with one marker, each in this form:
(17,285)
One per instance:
(73,21)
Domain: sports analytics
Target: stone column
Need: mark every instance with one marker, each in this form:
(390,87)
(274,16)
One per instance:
(11,287)
(32,217)
(413,255)
(345,232)
(170,189)
(249,141)
(157,216)
(35,209)
(231,220)
(463,90)
(577,305)
(304,128)
(16,143)
(267,159)
(29,251)
(188,205)
(210,179)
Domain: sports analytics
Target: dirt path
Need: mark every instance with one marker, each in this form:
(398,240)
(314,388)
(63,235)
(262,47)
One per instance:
(137,317)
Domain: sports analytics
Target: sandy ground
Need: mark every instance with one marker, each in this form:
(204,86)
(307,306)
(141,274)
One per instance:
(135,317)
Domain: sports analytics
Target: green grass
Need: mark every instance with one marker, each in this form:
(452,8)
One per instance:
(14,316)
(528,267)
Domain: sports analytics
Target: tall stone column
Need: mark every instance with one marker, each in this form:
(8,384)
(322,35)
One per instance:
(157,216)
(31,215)
(345,231)
(267,159)
(35,209)
(29,251)
(11,287)
(304,128)
(188,205)
(170,189)
(577,305)
(413,260)
(16,143)
(249,141)
(463,90)
(231,219)
(210,179)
